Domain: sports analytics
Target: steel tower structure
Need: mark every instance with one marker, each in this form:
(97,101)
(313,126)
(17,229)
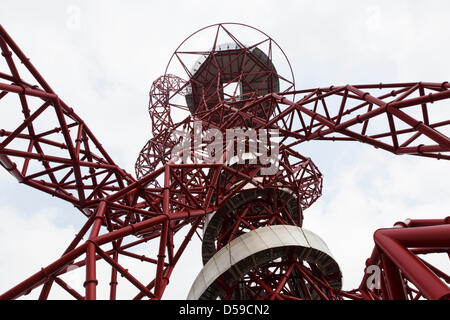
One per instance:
(253,242)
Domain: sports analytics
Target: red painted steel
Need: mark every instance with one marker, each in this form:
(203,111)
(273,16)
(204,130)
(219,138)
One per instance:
(61,156)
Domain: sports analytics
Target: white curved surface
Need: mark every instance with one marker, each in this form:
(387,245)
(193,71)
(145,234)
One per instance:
(249,244)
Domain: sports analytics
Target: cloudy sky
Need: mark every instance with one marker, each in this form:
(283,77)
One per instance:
(102,56)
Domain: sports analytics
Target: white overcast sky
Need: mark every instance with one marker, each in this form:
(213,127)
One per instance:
(104,66)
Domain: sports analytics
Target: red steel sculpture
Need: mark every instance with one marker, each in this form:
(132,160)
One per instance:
(253,243)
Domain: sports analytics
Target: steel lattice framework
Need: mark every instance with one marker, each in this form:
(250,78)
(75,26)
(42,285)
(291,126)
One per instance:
(233,85)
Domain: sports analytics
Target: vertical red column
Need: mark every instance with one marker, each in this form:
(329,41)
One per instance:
(91,273)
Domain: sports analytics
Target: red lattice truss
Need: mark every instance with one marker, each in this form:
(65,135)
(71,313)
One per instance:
(45,145)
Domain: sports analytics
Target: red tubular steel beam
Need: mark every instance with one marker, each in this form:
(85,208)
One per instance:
(164,235)
(66,287)
(419,126)
(113,283)
(31,155)
(73,155)
(38,278)
(11,167)
(424,99)
(334,124)
(177,256)
(45,273)
(78,237)
(27,91)
(412,223)
(91,280)
(394,243)
(124,272)
(24,124)
(24,59)
(393,281)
